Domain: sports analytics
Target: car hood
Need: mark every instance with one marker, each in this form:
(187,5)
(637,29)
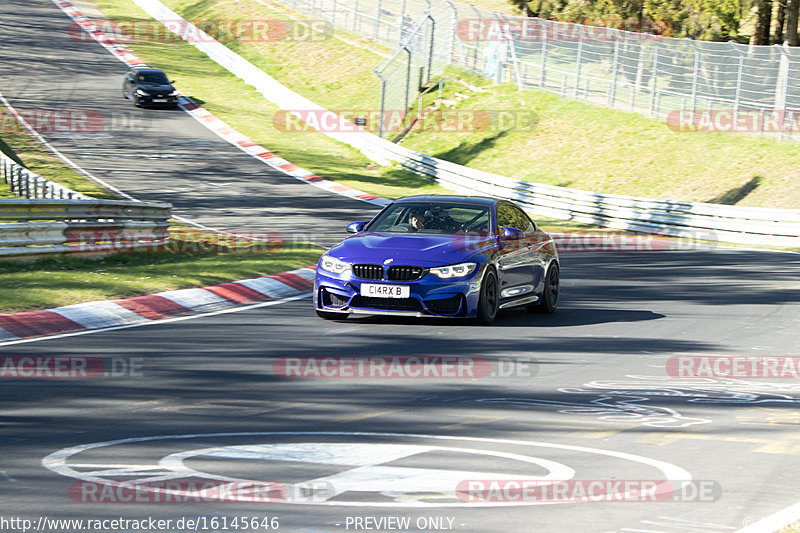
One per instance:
(417,249)
(156,88)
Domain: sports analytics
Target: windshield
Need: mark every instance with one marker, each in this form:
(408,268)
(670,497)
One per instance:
(152,77)
(434,218)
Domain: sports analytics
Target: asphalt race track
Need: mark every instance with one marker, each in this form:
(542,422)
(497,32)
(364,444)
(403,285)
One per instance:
(153,154)
(585,394)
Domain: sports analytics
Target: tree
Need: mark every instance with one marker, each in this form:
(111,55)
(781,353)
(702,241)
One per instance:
(780,18)
(763,21)
(792,8)
(524,6)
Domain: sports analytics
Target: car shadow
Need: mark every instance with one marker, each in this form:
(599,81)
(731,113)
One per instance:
(521,318)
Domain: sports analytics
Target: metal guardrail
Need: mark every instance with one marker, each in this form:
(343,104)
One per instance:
(32,228)
(27,184)
(53,219)
(744,225)
(630,70)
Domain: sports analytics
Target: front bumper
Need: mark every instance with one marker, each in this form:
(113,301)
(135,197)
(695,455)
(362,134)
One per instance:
(157,100)
(429,296)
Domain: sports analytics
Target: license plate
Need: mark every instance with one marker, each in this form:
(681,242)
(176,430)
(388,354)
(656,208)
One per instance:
(159,100)
(379,290)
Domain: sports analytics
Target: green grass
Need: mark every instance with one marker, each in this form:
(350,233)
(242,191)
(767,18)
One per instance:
(26,150)
(593,148)
(250,113)
(68,280)
(574,144)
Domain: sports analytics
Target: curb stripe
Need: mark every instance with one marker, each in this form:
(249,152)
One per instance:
(237,293)
(34,323)
(269,287)
(293,280)
(195,299)
(6,336)
(107,314)
(153,307)
(96,315)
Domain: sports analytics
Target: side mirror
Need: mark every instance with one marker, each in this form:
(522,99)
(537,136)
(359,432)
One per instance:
(356,227)
(510,234)
(171,81)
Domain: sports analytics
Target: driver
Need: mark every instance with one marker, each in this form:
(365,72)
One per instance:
(417,220)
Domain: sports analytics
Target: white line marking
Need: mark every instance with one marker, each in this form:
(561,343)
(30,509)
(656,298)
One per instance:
(370,475)
(61,156)
(57,461)
(160,321)
(775,521)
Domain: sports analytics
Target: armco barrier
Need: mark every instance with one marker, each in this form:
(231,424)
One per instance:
(744,225)
(27,184)
(32,228)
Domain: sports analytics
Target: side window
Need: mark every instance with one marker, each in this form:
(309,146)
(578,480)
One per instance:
(505,216)
(522,221)
(513,217)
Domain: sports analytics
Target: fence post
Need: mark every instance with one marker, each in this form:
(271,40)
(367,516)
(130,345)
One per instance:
(333,16)
(430,48)
(383,100)
(19,190)
(408,81)
(477,39)
(451,44)
(781,88)
(654,79)
(578,59)
(543,74)
(377,20)
(694,81)
(612,88)
(737,97)
(402,25)
(355,16)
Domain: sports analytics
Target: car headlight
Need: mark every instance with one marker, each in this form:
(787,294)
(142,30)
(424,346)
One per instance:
(174,93)
(454,271)
(140,92)
(331,264)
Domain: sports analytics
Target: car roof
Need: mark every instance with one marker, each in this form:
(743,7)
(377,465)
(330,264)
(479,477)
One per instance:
(477,200)
(146,69)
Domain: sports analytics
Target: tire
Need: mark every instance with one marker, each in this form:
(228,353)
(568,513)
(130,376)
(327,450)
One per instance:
(549,301)
(489,299)
(328,315)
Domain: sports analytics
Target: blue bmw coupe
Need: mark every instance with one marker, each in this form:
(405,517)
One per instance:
(444,256)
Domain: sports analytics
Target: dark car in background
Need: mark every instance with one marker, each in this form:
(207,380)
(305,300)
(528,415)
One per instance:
(149,87)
